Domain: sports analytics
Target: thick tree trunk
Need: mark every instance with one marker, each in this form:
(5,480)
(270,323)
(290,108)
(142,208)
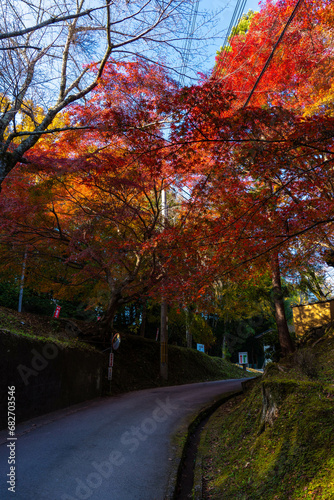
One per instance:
(107,322)
(7,163)
(189,338)
(282,326)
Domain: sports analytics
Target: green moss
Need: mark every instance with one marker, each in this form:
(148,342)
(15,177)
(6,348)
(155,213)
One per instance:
(13,323)
(292,459)
(75,343)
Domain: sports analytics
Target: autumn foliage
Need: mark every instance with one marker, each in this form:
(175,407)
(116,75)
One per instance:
(262,193)
(249,187)
(300,74)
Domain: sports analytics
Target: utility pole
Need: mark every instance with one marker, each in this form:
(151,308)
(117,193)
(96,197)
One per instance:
(224,348)
(22,280)
(188,334)
(164,318)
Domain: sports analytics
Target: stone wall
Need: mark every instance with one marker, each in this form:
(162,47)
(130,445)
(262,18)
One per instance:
(312,316)
(47,376)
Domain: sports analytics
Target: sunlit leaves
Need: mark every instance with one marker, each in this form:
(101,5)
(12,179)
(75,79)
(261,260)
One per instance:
(300,70)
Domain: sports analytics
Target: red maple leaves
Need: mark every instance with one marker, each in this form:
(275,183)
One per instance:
(244,183)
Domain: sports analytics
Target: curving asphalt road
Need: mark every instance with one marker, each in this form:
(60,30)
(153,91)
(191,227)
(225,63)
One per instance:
(115,448)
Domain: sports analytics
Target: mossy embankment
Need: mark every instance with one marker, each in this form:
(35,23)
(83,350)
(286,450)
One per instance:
(277,441)
(136,366)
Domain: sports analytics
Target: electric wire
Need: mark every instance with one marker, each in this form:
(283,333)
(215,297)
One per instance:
(237,15)
(292,15)
(188,42)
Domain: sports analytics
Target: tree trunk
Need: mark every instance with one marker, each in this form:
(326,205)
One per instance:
(224,348)
(7,163)
(19,309)
(164,340)
(189,339)
(282,326)
(108,319)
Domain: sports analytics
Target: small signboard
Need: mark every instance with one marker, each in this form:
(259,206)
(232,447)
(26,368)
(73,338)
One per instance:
(111,359)
(109,373)
(200,347)
(57,312)
(243,358)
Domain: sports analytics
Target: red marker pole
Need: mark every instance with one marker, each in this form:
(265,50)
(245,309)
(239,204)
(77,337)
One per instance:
(57,312)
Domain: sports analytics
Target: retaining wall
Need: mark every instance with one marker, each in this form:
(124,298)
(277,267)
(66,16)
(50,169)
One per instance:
(46,376)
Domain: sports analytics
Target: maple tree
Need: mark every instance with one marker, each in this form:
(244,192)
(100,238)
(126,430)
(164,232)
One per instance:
(261,174)
(278,209)
(47,49)
(89,209)
(257,179)
(297,79)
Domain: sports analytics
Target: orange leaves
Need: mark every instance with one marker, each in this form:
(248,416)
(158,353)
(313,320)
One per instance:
(97,192)
(259,181)
(243,181)
(260,177)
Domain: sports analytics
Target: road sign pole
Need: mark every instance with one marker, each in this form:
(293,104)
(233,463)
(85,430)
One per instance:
(164,341)
(163,319)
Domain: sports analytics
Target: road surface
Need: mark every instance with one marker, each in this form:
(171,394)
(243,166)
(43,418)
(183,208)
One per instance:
(115,448)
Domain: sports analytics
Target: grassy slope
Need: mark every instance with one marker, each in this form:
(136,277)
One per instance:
(136,363)
(289,460)
(137,366)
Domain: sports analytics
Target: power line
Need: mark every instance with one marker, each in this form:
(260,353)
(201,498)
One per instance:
(273,50)
(237,14)
(292,15)
(188,42)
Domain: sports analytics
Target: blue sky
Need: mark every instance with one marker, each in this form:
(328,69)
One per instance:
(224,20)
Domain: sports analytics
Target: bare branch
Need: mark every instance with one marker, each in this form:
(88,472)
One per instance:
(21,47)
(52,20)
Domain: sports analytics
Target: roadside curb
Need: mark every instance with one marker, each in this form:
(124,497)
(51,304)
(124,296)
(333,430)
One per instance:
(197,493)
(198,467)
(181,441)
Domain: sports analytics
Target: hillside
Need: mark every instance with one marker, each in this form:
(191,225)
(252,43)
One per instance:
(277,442)
(136,364)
